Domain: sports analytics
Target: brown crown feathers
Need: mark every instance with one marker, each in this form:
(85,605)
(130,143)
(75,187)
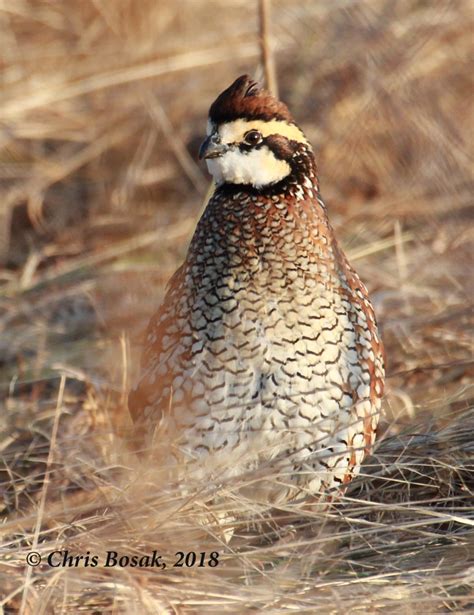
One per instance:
(245,98)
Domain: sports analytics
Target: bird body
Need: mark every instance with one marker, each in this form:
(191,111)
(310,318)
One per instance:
(265,351)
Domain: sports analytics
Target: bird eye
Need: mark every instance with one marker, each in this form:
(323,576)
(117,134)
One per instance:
(252,137)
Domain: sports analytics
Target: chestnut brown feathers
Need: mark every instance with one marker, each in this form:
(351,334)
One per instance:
(265,353)
(246,99)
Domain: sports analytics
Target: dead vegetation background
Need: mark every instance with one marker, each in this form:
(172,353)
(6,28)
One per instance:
(103,105)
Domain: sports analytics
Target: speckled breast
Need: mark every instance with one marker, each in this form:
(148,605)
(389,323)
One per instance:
(270,349)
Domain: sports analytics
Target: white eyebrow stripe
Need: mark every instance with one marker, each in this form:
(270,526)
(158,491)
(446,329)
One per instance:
(233,132)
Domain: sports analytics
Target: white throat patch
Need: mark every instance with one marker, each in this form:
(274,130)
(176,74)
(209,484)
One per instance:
(258,167)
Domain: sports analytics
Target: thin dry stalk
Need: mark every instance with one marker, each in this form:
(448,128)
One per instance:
(266,52)
(44,491)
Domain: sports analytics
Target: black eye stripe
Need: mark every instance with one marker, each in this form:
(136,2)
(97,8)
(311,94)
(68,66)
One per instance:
(246,148)
(281,147)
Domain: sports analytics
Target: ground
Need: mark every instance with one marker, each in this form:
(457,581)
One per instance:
(102,111)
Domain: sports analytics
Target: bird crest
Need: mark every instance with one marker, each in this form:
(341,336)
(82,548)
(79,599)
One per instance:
(247,99)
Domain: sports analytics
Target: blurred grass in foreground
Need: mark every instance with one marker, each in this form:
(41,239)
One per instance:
(101,111)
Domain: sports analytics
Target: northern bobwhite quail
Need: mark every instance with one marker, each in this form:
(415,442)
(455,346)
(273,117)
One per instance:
(265,351)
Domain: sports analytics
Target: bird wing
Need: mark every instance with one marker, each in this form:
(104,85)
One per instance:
(151,394)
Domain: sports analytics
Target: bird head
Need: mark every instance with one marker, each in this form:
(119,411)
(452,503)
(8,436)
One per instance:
(251,137)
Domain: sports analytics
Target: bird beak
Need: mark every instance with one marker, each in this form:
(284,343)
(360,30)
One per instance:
(212,147)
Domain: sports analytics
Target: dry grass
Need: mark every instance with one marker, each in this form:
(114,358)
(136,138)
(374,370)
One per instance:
(101,110)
